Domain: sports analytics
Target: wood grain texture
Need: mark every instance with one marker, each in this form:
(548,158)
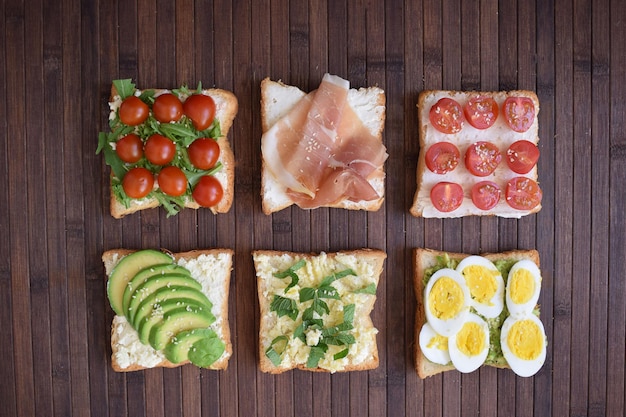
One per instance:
(58,62)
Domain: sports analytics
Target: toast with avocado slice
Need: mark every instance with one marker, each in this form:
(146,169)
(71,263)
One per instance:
(179,304)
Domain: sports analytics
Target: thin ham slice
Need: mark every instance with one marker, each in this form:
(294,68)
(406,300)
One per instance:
(321,152)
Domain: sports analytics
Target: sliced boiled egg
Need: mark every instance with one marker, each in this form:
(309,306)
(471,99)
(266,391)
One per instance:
(446,301)
(470,345)
(433,345)
(523,341)
(485,285)
(523,287)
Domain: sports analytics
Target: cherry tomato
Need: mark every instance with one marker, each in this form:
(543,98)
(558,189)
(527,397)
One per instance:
(446,196)
(482,158)
(519,113)
(159,149)
(208,192)
(129,148)
(486,195)
(204,153)
(138,182)
(446,116)
(523,193)
(172,181)
(442,157)
(200,109)
(133,111)
(167,108)
(481,111)
(522,156)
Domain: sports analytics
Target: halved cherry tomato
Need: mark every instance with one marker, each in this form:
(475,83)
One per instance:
(204,153)
(200,109)
(446,196)
(522,156)
(519,113)
(159,150)
(167,108)
(482,158)
(208,192)
(523,193)
(129,148)
(446,116)
(133,111)
(481,111)
(486,195)
(442,157)
(138,182)
(172,181)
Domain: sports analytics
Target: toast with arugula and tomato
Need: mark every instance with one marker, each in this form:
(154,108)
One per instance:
(478,154)
(169,148)
(170,309)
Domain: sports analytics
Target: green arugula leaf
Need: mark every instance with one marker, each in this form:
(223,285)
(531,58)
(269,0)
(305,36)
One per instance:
(307,294)
(342,354)
(305,325)
(125,88)
(290,272)
(328,291)
(180,133)
(284,307)
(276,349)
(194,176)
(316,354)
(147,96)
(171,204)
(348,313)
(369,289)
(206,350)
(338,275)
(110,157)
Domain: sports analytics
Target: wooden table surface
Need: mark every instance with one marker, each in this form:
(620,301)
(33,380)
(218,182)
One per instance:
(58,60)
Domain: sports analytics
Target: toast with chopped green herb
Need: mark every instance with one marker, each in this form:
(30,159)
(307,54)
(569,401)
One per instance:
(315,310)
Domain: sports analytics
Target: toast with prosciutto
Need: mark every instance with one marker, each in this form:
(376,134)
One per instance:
(478,154)
(324,148)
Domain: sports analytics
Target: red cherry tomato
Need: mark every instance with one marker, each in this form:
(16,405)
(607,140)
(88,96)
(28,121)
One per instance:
(481,111)
(482,158)
(159,150)
(486,195)
(522,156)
(138,182)
(172,181)
(446,196)
(208,192)
(523,193)
(129,148)
(519,113)
(442,157)
(167,108)
(200,109)
(133,111)
(204,153)
(446,116)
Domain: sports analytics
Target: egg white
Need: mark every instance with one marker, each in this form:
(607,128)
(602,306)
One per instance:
(528,306)
(494,306)
(522,367)
(447,327)
(433,354)
(468,363)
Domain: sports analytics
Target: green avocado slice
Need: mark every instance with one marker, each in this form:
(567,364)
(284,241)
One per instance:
(126,269)
(201,346)
(156,283)
(144,274)
(176,321)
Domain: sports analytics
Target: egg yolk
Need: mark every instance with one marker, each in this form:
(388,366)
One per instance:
(471,339)
(446,299)
(481,282)
(525,339)
(521,286)
(438,342)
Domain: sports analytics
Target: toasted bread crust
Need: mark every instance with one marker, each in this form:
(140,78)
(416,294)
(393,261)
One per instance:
(225,112)
(273,196)
(427,258)
(375,257)
(420,201)
(112,257)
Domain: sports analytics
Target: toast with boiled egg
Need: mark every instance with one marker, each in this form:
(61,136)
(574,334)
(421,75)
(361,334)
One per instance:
(169,148)
(315,310)
(475,311)
(478,154)
(324,148)
(170,308)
